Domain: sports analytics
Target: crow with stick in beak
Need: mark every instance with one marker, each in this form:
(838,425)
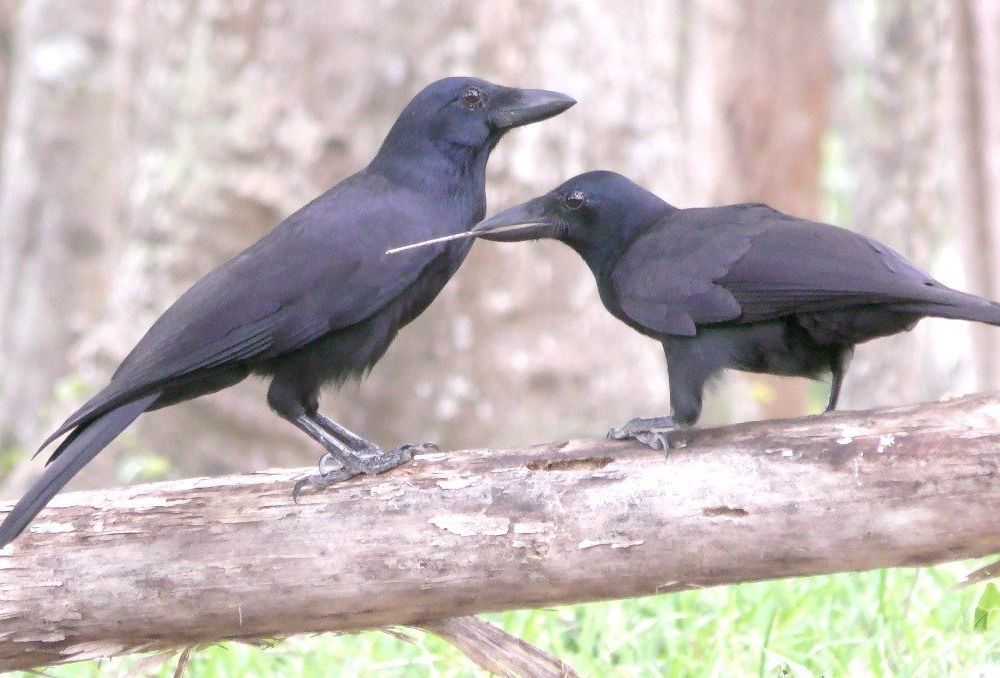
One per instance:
(742,287)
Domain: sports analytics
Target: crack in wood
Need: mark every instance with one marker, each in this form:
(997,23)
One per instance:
(733,511)
(587,464)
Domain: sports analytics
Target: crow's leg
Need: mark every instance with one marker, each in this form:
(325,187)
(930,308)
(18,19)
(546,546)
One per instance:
(838,368)
(690,363)
(352,454)
(356,442)
(349,437)
(350,457)
(363,456)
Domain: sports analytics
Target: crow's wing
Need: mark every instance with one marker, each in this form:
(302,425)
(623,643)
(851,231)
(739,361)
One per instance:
(796,266)
(751,263)
(666,279)
(322,269)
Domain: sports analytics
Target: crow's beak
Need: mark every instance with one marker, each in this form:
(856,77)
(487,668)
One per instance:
(526,221)
(516,107)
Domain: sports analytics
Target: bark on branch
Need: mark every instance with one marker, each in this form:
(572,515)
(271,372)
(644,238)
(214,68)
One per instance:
(458,533)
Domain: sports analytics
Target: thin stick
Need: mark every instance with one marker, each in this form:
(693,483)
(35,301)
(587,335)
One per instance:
(457,236)
(467,234)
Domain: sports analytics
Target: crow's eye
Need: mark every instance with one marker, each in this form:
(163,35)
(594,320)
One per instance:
(472,97)
(574,200)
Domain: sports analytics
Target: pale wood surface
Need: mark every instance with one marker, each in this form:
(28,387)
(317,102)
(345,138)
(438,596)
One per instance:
(458,533)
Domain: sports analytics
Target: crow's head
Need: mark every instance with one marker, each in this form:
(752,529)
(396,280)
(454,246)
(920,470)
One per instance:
(591,211)
(460,114)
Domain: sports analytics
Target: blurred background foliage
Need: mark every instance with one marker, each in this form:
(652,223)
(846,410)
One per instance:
(142,142)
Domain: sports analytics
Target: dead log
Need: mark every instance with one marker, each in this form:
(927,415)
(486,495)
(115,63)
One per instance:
(457,533)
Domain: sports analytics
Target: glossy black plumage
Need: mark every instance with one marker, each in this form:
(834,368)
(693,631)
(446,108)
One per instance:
(317,299)
(740,286)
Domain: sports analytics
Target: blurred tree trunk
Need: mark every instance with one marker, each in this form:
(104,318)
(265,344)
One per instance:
(56,187)
(758,95)
(916,125)
(889,73)
(8,17)
(973,89)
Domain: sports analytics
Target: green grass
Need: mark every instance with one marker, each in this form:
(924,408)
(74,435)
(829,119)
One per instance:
(882,623)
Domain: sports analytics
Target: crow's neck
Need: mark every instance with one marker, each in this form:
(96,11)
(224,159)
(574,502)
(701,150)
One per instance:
(434,168)
(602,253)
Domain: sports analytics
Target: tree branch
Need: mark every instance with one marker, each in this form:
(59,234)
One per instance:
(194,561)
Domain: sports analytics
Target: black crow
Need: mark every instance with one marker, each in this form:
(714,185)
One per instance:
(316,300)
(743,286)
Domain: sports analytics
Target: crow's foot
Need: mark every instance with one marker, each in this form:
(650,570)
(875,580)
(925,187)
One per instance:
(369,460)
(655,432)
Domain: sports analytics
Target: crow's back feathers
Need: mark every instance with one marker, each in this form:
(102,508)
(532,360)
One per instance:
(750,263)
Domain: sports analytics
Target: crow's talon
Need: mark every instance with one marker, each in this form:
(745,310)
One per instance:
(320,481)
(326,460)
(658,440)
(417,448)
(617,433)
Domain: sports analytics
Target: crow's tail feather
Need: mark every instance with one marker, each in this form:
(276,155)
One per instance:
(72,455)
(984,314)
(978,310)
